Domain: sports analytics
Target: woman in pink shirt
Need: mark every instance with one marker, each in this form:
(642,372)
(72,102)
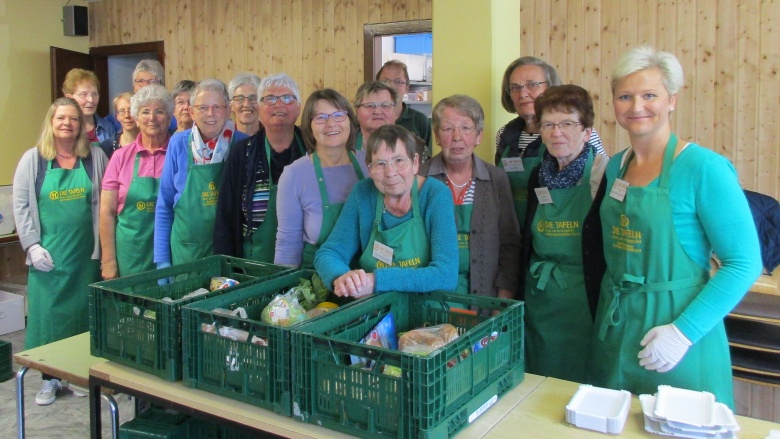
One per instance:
(130,187)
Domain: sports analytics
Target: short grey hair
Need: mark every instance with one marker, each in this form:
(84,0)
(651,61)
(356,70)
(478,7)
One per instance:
(243,79)
(152,66)
(390,135)
(646,57)
(277,81)
(466,105)
(152,93)
(373,87)
(183,86)
(550,76)
(213,85)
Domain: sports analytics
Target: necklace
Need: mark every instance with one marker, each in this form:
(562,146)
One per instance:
(67,157)
(385,208)
(459,186)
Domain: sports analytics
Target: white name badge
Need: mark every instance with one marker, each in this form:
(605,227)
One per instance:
(513,164)
(543,194)
(383,253)
(618,191)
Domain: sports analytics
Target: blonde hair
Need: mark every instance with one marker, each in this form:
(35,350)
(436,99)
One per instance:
(122,96)
(646,57)
(76,77)
(46,143)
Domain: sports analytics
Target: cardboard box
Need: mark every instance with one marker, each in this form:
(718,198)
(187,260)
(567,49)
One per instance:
(11,312)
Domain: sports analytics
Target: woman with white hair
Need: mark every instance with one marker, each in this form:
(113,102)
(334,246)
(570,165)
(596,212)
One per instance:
(665,205)
(244,104)
(190,181)
(147,72)
(246,216)
(130,187)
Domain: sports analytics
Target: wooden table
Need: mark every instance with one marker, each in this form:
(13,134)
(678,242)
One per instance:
(67,359)
(535,408)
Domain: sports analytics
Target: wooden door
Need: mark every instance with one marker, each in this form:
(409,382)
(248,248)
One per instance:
(62,61)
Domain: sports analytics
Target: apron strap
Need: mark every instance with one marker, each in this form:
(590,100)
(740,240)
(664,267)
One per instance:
(542,270)
(636,284)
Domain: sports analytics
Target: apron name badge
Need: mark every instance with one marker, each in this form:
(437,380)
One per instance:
(383,253)
(543,194)
(619,189)
(513,164)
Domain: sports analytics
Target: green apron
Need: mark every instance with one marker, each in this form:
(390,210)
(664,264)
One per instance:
(557,318)
(518,181)
(463,223)
(260,245)
(330,211)
(650,280)
(135,225)
(59,299)
(195,212)
(359,141)
(409,240)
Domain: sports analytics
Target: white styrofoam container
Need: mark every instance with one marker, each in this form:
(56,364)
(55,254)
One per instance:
(599,409)
(11,312)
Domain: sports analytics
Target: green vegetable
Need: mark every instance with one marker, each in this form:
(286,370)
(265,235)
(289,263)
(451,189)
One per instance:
(310,293)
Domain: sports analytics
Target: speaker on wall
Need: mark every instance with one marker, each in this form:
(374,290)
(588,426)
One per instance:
(75,21)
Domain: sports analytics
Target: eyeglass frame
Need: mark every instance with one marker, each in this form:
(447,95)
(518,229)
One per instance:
(565,126)
(530,85)
(145,82)
(204,109)
(385,105)
(319,117)
(149,115)
(388,164)
(398,82)
(290,97)
(253,99)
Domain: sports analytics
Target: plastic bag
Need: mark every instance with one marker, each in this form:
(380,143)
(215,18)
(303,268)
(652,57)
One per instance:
(284,310)
(383,335)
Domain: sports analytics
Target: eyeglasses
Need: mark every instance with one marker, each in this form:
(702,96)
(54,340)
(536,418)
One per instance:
(140,81)
(465,131)
(204,109)
(398,82)
(271,99)
(123,112)
(147,114)
(84,95)
(566,125)
(374,105)
(182,102)
(339,116)
(398,163)
(531,86)
(251,98)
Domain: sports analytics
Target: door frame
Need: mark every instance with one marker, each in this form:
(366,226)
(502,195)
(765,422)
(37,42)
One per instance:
(393,28)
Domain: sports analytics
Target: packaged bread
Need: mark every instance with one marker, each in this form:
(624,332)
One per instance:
(423,341)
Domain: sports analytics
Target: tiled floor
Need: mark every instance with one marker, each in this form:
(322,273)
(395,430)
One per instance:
(67,418)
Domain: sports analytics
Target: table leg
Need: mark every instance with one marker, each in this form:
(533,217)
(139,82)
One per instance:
(20,401)
(114,414)
(94,410)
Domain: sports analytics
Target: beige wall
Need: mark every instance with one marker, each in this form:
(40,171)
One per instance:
(729,50)
(27,29)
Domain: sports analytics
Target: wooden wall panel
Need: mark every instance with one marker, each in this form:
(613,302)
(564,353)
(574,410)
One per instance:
(728,50)
(317,42)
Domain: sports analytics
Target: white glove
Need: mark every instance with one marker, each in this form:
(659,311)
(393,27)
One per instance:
(41,258)
(664,346)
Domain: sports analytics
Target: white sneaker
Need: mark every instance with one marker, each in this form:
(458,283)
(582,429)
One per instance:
(48,392)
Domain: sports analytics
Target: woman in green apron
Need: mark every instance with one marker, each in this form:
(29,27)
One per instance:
(518,145)
(558,322)
(56,195)
(246,223)
(130,188)
(189,185)
(488,236)
(375,103)
(668,204)
(83,87)
(400,226)
(313,189)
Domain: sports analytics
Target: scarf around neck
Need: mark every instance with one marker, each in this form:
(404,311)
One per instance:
(216,149)
(552,178)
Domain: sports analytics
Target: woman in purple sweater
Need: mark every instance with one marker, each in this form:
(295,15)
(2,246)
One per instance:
(312,190)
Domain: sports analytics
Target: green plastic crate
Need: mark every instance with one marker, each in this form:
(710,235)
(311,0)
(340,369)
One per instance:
(202,429)
(252,373)
(130,324)
(6,364)
(156,424)
(431,398)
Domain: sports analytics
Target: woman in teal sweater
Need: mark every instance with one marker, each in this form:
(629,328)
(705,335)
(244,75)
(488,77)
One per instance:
(667,205)
(399,225)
